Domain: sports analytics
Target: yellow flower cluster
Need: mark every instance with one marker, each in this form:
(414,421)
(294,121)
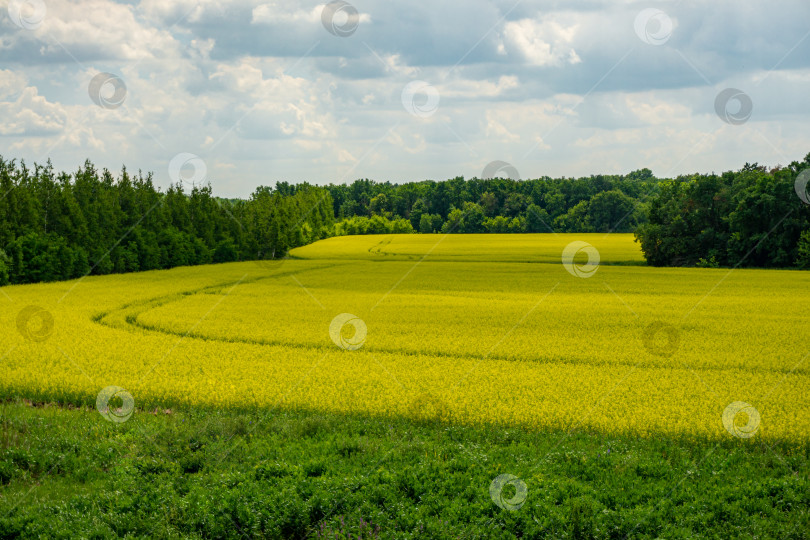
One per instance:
(475,329)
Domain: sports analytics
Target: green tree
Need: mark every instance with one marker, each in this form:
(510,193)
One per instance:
(489,202)
(426,224)
(537,219)
(454,222)
(473,218)
(517,225)
(5,262)
(418,210)
(803,249)
(575,220)
(515,204)
(612,211)
(498,224)
(379,205)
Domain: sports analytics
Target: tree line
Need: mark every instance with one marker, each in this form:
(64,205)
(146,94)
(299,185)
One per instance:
(56,226)
(754,217)
(601,203)
(59,225)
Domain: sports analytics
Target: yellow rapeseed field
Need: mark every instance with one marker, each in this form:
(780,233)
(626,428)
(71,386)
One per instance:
(464,328)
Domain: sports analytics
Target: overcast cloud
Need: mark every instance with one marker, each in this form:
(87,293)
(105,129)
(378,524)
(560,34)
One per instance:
(262,91)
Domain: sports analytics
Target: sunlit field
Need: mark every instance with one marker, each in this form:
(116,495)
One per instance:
(488,330)
(374,270)
(534,248)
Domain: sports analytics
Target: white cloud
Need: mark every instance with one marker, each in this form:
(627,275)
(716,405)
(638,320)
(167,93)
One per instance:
(24,111)
(190,11)
(101,29)
(279,13)
(656,111)
(11,83)
(496,130)
(344,156)
(480,88)
(274,106)
(542,42)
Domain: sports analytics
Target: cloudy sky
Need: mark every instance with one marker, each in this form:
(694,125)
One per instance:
(243,93)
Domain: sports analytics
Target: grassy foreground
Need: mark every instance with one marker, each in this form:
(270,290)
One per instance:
(207,473)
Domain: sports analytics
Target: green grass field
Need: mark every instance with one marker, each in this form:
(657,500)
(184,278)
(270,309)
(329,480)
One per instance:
(604,391)
(202,473)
